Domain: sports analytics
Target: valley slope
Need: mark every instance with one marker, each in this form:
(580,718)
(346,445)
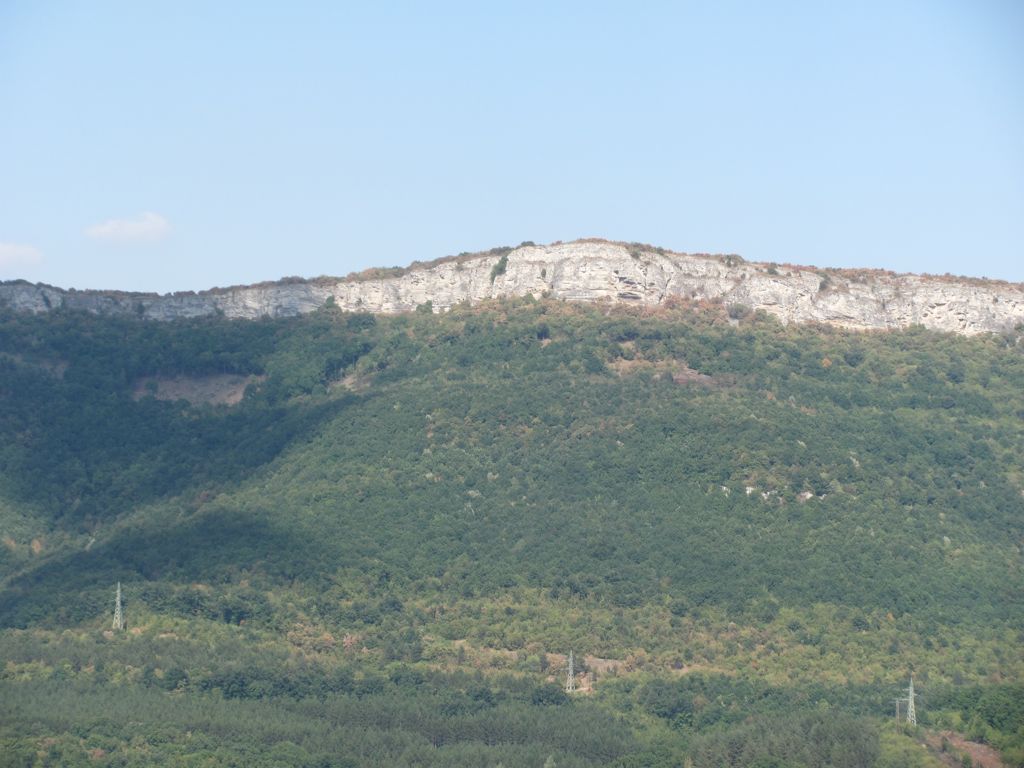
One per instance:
(746,531)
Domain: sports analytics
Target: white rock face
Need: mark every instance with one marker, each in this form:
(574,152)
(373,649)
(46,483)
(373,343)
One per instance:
(592,271)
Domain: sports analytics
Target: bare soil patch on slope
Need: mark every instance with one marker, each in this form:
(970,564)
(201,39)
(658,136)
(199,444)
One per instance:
(216,389)
(982,755)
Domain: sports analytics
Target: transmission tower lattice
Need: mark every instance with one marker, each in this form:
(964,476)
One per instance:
(911,712)
(118,611)
(570,675)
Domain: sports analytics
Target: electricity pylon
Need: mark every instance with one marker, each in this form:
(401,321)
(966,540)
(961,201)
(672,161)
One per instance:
(911,712)
(118,611)
(570,675)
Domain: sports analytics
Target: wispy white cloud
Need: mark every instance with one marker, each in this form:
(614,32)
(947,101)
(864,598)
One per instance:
(18,255)
(145,226)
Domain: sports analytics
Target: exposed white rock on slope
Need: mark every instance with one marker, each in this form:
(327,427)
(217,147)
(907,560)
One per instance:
(592,271)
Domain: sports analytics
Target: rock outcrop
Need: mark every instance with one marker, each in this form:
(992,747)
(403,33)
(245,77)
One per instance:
(591,271)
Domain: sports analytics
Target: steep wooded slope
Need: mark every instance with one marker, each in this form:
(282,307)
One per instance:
(811,513)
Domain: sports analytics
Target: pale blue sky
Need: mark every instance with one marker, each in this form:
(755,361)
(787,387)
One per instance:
(182,145)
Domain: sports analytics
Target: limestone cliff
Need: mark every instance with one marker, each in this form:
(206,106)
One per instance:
(592,271)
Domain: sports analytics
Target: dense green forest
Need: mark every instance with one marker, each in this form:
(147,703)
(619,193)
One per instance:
(750,535)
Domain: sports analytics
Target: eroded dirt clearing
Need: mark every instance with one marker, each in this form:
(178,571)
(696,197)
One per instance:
(217,389)
(982,755)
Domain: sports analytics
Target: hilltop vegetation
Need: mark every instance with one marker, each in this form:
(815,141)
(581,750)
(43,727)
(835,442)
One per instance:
(391,541)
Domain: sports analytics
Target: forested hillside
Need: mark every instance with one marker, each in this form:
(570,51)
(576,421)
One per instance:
(749,535)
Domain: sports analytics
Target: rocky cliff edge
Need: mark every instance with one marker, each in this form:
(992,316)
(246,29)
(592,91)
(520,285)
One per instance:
(589,271)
